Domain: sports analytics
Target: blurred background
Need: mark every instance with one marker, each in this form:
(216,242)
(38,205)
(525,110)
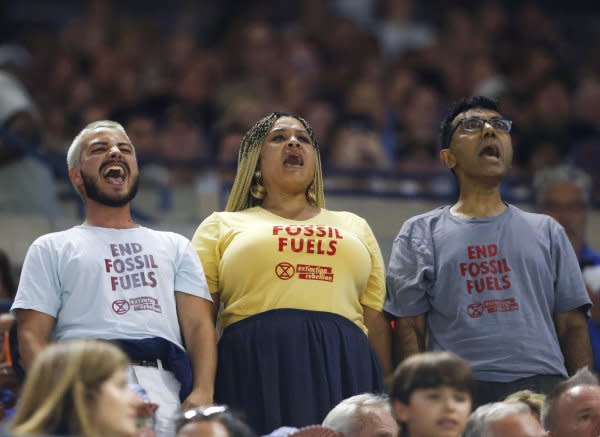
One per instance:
(374,77)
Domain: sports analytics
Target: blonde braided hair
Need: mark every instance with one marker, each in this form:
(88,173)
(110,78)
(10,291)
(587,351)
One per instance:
(240,197)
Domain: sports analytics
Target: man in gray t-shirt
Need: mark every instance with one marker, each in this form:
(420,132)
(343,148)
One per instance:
(498,286)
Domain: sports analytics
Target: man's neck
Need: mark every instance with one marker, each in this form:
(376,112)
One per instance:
(109,217)
(479,202)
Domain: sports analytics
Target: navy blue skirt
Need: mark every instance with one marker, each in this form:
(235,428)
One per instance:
(291,367)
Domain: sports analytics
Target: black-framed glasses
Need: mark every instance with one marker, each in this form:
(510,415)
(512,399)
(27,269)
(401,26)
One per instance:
(476,124)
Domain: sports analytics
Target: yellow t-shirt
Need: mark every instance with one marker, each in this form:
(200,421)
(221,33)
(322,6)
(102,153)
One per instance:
(257,261)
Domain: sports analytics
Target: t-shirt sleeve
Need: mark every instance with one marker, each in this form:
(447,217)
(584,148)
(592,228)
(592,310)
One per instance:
(205,243)
(374,295)
(189,275)
(39,285)
(570,289)
(410,272)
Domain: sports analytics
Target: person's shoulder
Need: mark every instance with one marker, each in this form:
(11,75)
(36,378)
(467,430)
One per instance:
(344,215)
(432,214)
(534,218)
(55,237)
(225,216)
(163,234)
(425,220)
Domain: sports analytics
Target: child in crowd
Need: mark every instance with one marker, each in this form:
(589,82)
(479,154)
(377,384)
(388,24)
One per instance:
(431,395)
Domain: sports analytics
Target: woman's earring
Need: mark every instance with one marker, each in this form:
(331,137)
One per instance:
(311,194)
(257,190)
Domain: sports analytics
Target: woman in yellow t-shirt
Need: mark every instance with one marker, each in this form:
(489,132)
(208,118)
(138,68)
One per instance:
(302,287)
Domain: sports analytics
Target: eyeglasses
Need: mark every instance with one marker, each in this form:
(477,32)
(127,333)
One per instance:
(476,124)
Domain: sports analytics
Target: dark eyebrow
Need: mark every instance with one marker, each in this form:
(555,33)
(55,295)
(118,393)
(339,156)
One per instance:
(496,117)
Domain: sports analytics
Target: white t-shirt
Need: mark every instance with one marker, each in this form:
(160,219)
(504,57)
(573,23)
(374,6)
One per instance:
(110,283)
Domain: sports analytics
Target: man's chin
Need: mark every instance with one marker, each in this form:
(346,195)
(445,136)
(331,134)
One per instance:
(112,201)
(94,193)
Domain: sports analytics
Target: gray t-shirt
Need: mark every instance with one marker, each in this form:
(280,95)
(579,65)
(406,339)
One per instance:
(490,286)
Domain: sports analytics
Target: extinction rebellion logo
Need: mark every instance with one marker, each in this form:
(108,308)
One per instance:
(285,271)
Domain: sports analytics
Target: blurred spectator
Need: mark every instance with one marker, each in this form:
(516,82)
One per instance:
(542,151)
(356,146)
(8,286)
(417,143)
(426,389)
(356,151)
(9,383)
(563,192)
(227,150)
(363,415)
(364,99)
(235,61)
(77,388)
(585,148)
(183,145)
(503,419)
(211,421)
(399,31)
(573,408)
(324,116)
(535,401)
(307,431)
(33,190)
(143,131)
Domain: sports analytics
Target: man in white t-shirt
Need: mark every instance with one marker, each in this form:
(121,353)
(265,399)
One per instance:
(112,279)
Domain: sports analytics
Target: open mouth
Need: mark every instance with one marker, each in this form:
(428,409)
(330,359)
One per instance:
(114,173)
(447,422)
(490,150)
(293,160)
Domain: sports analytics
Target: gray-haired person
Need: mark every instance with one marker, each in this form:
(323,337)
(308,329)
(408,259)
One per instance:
(573,407)
(363,415)
(564,193)
(503,419)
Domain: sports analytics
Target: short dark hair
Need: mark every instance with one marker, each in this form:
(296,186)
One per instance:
(463,105)
(430,370)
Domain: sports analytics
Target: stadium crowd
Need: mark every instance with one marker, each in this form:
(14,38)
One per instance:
(279,317)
